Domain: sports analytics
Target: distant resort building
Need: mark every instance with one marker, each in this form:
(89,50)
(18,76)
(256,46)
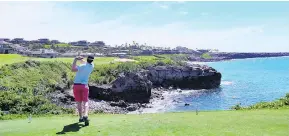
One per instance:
(5,39)
(182,49)
(79,43)
(5,47)
(42,53)
(55,42)
(97,44)
(18,41)
(119,54)
(147,52)
(203,50)
(73,54)
(19,49)
(9,48)
(44,41)
(20,46)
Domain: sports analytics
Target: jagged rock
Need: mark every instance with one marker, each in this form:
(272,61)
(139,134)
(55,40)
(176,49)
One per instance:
(189,76)
(130,87)
(131,90)
(132,108)
(119,104)
(61,98)
(134,87)
(60,86)
(220,56)
(102,92)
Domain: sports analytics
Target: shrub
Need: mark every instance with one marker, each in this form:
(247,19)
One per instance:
(206,56)
(24,86)
(237,107)
(277,104)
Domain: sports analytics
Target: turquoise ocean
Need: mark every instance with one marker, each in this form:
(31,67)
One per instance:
(244,81)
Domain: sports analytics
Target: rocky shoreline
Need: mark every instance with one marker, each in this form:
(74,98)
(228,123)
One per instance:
(221,56)
(132,91)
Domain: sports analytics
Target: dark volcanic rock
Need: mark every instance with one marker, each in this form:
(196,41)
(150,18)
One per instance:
(60,98)
(132,108)
(102,92)
(134,87)
(133,90)
(189,77)
(246,55)
(219,56)
(130,87)
(119,104)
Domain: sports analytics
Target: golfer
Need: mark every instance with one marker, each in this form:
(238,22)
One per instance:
(80,86)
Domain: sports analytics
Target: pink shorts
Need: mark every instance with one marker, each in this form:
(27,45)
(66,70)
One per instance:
(80,92)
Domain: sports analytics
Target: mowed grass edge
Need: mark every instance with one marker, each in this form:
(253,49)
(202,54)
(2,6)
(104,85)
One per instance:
(213,123)
(14,58)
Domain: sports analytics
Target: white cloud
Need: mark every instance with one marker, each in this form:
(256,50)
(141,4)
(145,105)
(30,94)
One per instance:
(184,12)
(204,14)
(180,1)
(164,6)
(167,4)
(146,12)
(44,20)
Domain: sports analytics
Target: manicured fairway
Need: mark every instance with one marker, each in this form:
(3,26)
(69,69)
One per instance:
(14,58)
(217,123)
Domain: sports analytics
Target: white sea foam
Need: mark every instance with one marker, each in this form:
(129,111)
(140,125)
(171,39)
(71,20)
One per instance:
(226,83)
(170,101)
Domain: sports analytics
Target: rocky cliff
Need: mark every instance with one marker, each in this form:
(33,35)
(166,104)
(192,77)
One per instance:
(184,77)
(135,90)
(136,86)
(219,56)
(131,87)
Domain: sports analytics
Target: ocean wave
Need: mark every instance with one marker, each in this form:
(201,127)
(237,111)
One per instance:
(226,83)
(170,100)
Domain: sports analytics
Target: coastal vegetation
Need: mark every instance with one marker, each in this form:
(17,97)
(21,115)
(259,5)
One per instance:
(277,104)
(26,83)
(25,86)
(14,58)
(56,45)
(206,56)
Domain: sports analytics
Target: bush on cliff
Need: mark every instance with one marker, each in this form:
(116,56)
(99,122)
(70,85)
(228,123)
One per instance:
(104,74)
(23,86)
(206,56)
(277,104)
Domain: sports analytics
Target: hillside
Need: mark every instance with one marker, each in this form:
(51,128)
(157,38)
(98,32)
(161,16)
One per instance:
(41,85)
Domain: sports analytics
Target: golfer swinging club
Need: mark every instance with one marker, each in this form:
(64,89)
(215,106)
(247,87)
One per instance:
(80,87)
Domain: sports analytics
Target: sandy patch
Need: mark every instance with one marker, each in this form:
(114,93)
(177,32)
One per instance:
(124,60)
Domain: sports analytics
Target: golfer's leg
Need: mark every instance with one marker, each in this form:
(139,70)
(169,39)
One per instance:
(77,97)
(79,108)
(86,108)
(85,100)
(85,103)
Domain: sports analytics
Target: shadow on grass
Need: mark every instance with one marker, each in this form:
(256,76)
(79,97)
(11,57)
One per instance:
(71,128)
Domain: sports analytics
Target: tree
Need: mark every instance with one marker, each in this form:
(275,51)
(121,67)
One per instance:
(53,46)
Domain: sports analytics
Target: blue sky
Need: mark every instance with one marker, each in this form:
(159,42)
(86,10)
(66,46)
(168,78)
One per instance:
(227,26)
